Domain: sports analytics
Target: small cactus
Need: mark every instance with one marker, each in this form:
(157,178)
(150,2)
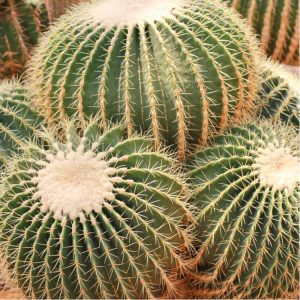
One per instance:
(277,25)
(246,187)
(21,23)
(99,216)
(18,121)
(180,69)
(279,95)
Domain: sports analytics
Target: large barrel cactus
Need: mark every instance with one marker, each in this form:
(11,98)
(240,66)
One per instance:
(246,187)
(279,95)
(98,216)
(180,69)
(21,23)
(277,24)
(19,122)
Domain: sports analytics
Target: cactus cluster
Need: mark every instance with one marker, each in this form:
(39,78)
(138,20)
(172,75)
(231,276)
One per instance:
(247,187)
(91,207)
(98,216)
(179,69)
(277,25)
(279,95)
(21,23)
(18,121)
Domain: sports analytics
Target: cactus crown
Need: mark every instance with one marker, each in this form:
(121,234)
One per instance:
(131,12)
(66,191)
(277,167)
(247,187)
(95,216)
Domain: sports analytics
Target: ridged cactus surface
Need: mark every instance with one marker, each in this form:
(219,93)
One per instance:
(279,95)
(180,69)
(277,24)
(21,23)
(18,120)
(246,187)
(99,216)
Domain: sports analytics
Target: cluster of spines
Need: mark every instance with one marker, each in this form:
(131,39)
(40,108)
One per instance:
(183,77)
(18,120)
(247,229)
(278,98)
(21,24)
(125,250)
(277,24)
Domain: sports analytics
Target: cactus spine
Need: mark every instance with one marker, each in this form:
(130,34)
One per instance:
(18,121)
(279,95)
(21,23)
(99,216)
(246,187)
(181,69)
(277,24)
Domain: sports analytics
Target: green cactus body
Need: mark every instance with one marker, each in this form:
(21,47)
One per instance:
(246,187)
(21,23)
(179,69)
(18,121)
(276,23)
(279,96)
(100,216)
(56,8)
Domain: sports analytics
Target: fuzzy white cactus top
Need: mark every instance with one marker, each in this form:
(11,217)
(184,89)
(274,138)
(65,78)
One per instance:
(75,182)
(131,12)
(277,167)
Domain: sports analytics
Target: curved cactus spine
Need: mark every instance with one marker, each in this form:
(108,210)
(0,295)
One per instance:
(21,23)
(99,216)
(279,95)
(277,24)
(18,121)
(246,187)
(181,69)
(56,8)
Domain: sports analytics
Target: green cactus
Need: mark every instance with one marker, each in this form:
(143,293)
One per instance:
(99,216)
(180,69)
(21,23)
(277,25)
(246,187)
(56,8)
(279,95)
(18,121)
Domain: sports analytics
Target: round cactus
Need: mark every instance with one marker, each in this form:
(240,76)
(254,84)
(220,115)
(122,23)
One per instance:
(18,121)
(279,95)
(246,187)
(180,69)
(56,8)
(277,24)
(99,216)
(21,23)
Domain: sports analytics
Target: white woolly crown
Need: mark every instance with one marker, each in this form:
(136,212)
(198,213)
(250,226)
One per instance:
(75,183)
(131,12)
(277,167)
